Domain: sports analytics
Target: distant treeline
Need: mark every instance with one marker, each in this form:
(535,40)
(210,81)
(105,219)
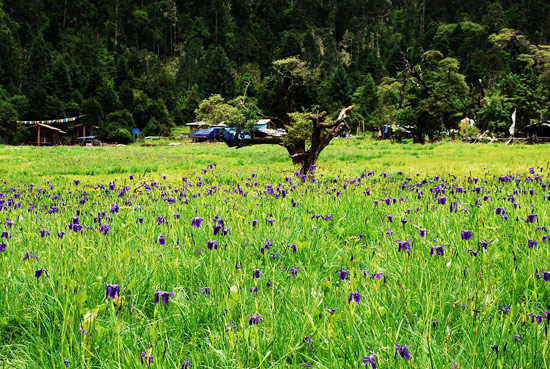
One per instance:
(148,64)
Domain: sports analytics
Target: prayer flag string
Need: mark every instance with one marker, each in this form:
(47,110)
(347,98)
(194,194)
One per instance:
(50,121)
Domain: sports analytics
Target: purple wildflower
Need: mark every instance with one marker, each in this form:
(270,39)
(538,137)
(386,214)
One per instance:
(165,296)
(112,291)
(404,246)
(354,296)
(438,249)
(256,273)
(466,235)
(39,272)
(212,244)
(196,222)
(343,274)
(403,351)
(255,319)
(146,359)
(369,360)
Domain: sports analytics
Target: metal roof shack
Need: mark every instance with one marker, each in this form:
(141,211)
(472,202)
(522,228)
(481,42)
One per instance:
(540,129)
(46,135)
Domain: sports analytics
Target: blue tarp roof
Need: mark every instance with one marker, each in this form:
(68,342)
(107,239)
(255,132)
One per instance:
(86,138)
(208,132)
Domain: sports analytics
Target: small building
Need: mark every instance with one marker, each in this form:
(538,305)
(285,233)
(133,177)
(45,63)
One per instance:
(196,126)
(45,135)
(540,129)
(266,123)
(208,134)
(82,130)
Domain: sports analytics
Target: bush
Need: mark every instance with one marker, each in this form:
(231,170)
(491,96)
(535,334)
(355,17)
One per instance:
(120,135)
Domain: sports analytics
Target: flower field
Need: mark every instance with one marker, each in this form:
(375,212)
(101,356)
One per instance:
(205,257)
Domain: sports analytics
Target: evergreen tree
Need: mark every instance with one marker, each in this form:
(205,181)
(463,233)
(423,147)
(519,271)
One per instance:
(339,88)
(38,65)
(218,76)
(62,84)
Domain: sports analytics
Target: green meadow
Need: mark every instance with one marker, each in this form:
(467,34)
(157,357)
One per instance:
(201,256)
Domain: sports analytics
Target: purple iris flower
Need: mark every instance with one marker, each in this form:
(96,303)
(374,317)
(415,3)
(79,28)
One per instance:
(292,247)
(438,249)
(253,289)
(531,243)
(104,228)
(536,317)
(114,208)
(403,351)
(531,218)
(196,222)
(254,223)
(423,232)
(212,244)
(165,296)
(466,235)
(505,309)
(60,234)
(483,244)
(112,291)
(500,211)
(139,220)
(161,240)
(5,234)
(343,274)
(354,296)
(369,360)
(331,311)
(255,319)
(146,359)
(256,273)
(67,363)
(205,290)
(404,246)
(294,271)
(495,348)
(39,272)
(76,182)
(30,256)
(390,218)
(185,364)
(44,233)
(308,339)
(3,246)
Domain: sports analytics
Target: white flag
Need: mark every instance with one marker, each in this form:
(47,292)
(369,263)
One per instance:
(512,129)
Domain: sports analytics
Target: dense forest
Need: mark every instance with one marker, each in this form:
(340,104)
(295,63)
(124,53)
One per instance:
(155,64)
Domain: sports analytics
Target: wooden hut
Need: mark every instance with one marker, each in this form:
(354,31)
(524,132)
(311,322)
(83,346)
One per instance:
(44,134)
(82,131)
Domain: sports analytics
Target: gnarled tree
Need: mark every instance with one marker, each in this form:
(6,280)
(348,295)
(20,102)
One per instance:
(307,134)
(303,134)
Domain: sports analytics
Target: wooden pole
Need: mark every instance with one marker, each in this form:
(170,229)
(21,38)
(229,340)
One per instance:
(38,139)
